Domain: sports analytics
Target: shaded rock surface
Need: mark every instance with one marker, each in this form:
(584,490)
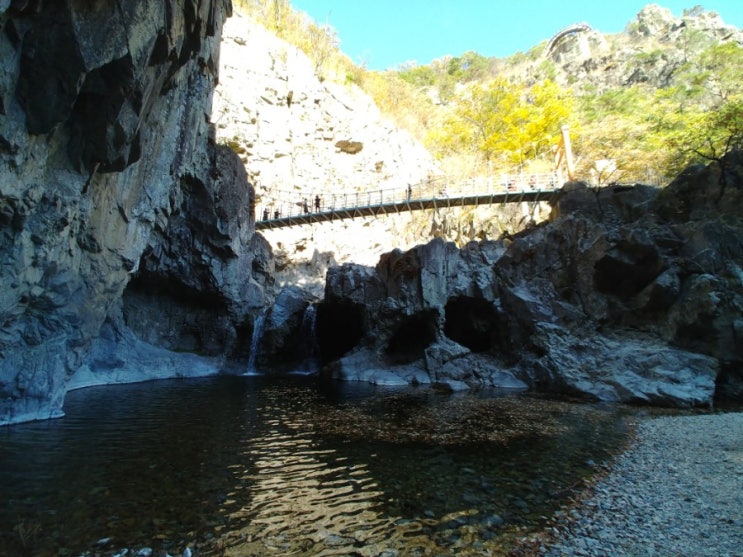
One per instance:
(122,225)
(629,294)
(284,342)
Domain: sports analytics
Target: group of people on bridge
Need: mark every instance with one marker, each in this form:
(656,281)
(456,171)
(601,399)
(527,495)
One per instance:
(305,208)
(429,189)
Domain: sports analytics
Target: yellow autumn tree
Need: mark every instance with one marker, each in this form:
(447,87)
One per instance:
(505,122)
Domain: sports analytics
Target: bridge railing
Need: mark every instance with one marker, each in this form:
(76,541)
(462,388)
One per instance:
(280,204)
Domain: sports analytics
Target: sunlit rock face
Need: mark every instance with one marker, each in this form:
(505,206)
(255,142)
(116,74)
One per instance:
(110,176)
(651,49)
(630,294)
(302,136)
(297,132)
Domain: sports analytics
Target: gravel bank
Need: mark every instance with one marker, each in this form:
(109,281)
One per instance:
(677,492)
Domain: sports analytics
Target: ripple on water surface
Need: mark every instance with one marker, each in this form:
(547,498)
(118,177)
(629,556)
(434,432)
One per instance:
(290,466)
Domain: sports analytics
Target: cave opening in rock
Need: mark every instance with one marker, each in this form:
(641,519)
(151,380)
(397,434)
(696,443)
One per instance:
(169,314)
(412,336)
(339,327)
(729,383)
(696,334)
(472,322)
(243,340)
(625,271)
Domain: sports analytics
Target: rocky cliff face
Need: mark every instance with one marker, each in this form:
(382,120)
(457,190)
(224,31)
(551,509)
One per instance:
(630,294)
(300,136)
(115,202)
(654,47)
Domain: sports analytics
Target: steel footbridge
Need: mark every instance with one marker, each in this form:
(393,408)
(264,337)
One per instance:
(284,209)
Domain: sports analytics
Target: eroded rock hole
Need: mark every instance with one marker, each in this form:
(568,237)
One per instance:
(729,383)
(339,328)
(412,337)
(472,322)
(626,270)
(171,315)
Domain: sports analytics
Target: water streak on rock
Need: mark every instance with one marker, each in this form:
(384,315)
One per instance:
(255,340)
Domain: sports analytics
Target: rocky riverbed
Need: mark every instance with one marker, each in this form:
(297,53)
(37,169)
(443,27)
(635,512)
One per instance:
(677,491)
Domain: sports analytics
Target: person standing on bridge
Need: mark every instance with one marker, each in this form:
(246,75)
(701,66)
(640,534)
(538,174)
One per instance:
(305,207)
(409,192)
(265,213)
(317,203)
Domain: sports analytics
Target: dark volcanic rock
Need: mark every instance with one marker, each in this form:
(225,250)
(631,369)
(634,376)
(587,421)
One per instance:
(630,294)
(106,155)
(282,341)
(200,268)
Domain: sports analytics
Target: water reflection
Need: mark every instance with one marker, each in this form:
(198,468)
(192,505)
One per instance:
(291,466)
(300,495)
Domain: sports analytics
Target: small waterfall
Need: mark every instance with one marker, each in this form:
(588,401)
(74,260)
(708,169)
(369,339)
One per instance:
(258,326)
(308,341)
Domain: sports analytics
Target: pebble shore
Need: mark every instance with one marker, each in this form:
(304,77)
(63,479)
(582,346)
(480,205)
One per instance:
(677,492)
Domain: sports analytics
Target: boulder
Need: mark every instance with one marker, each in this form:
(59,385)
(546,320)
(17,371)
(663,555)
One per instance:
(286,336)
(620,368)
(353,283)
(655,20)
(365,366)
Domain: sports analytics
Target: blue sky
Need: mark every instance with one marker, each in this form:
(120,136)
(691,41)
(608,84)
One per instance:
(386,33)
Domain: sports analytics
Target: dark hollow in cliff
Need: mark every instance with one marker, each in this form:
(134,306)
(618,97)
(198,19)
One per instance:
(472,322)
(729,384)
(168,314)
(106,100)
(339,328)
(627,269)
(243,338)
(412,336)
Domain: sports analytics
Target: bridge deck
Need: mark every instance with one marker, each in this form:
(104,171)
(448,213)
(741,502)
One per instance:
(403,206)
(439,193)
